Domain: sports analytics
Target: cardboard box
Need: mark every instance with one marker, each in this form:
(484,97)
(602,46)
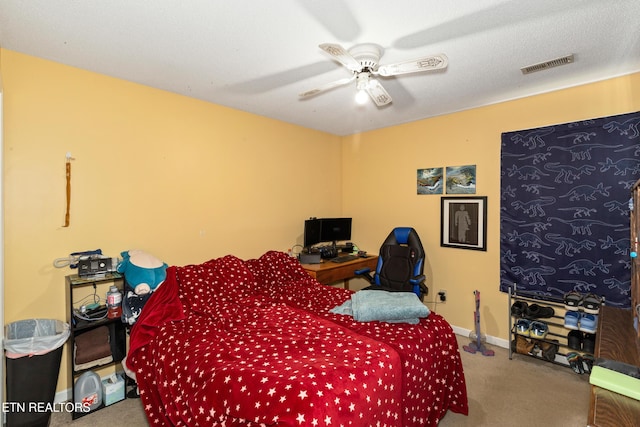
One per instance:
(112,392)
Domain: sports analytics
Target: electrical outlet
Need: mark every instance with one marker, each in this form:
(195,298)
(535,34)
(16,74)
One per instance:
(442,296)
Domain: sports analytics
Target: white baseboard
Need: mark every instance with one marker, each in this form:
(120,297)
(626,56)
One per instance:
(62,396)
(500,342)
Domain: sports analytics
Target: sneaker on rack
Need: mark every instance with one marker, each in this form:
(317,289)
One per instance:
(538,329)
(591,303)
(588,323)
(523,327)
(572,320)
(572,300)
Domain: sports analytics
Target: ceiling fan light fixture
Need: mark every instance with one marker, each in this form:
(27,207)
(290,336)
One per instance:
(361,97)
(362,80)
(363,62)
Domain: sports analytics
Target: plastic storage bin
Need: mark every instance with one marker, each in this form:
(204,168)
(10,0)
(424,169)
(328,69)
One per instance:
(33,350)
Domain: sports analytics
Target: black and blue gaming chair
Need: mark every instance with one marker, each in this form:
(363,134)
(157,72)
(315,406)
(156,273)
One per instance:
(400,264)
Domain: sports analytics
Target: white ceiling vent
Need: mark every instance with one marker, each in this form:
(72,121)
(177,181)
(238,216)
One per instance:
(548,64)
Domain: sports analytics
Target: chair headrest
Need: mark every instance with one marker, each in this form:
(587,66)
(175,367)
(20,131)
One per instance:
(405,236)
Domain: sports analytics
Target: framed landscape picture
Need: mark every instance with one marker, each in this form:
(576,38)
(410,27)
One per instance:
(461,179)
(430,181)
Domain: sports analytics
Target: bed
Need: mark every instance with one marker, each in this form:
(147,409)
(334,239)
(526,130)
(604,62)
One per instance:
(233,342)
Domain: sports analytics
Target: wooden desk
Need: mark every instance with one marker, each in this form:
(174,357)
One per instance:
(328,272)
(615,340)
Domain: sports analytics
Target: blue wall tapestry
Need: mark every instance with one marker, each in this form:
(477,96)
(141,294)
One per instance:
(564,210)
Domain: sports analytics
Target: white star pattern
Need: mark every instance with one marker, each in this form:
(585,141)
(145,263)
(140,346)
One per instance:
(253,343)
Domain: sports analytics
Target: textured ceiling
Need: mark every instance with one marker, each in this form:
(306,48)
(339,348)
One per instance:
(257,56)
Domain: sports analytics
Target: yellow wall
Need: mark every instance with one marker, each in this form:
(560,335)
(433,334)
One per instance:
(379,185)
(183,179)
(188,181)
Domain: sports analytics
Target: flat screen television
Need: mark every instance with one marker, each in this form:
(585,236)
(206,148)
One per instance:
(326,230)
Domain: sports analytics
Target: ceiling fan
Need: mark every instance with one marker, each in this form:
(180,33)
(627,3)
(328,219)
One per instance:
(363,61)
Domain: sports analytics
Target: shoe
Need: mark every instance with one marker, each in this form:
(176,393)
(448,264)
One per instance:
(549,349)
(588,323)
(572,301)
(538,330)
(534,311)
(587,362)
(523,345)
(572,320)
(591,304)
(575,340)
(523,327)
(134,393)
(132,388)
(589,343)
(575,362)
(518,308)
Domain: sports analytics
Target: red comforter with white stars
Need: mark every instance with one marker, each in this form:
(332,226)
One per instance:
(252,343)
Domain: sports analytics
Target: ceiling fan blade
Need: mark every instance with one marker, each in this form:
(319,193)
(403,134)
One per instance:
(341,55)
(378,93)
(327,87)
(428,63)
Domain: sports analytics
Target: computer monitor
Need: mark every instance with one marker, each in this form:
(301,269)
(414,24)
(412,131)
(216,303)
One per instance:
(311,232)
(335,229)
(326,230)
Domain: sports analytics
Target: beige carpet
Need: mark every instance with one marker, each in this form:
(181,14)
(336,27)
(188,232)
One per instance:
(502,393)
(520,392)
